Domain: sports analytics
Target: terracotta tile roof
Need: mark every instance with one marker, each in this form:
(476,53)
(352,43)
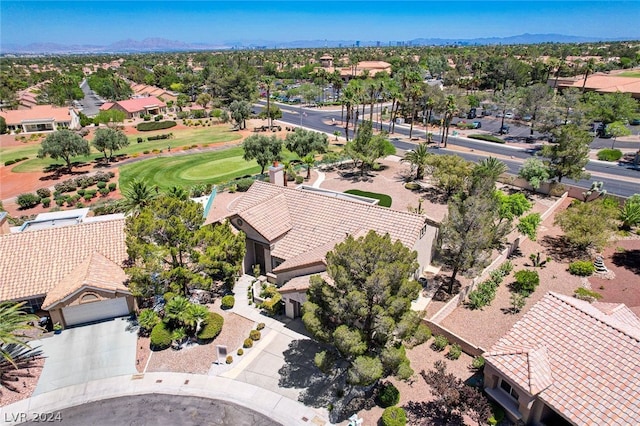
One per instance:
(94,271)
(607,83)
(33,263)
(301,283)
(37,112)
(311,257)
(316,220)
(593,359)
(137,104)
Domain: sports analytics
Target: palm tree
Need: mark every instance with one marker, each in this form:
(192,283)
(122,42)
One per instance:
(418,159)
(137,196)
(591,64)
(194,316)
(267,85)
(449,111)
(309,161)
(415,93)
(13,321)
(491,167)
(175,310)
(178,192)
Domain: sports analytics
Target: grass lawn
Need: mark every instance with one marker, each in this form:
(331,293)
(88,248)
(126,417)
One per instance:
(182,138)
(385,200)
(188,170)
(635,74)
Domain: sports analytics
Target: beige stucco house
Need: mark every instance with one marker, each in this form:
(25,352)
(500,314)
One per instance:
(137,107)
(568,362)
(41,118)
(290,230)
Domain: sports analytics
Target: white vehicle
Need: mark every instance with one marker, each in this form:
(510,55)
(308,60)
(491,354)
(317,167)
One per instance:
(509,115)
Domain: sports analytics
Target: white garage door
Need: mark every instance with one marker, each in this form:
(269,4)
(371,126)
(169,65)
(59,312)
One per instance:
(95,311)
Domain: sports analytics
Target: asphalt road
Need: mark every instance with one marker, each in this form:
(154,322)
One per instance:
(91,102)
(320,120)
(157,409)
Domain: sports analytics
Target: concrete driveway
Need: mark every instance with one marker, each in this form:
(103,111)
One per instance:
(90,352)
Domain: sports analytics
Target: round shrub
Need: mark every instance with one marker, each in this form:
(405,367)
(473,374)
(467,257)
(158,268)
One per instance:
(394,416)
(81,192)
(101,185)
(454,351)
(439,343)
(43,192)
(389,396)
(247,343)
(582,268)
(168,296)
(160,337)
(88,197)
(112,186)
(299,180)
(104,191)
(212,327)
(413,186)
(240,352)
(243,185)
(46,202)
(478,362)
(609,154)
(526,281)
(229,359)
(260,326)
(227,302)
(28,200)
(255,335)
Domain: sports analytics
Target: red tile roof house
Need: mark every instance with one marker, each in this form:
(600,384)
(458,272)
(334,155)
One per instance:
(137,107)
(290,231)
(74,272)
(568,362)
(41,118)
(602,83)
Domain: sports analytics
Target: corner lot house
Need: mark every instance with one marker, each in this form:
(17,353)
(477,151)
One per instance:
(41,118)
(74,272)
(568,362)
(290,231)
(137,107)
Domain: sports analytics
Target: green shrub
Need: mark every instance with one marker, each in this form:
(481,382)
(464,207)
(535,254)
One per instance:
(273,305)
(247,343)
(43,192)
(240,352)
(81,192)
(168,296)
(243,185)
(9,162)
(156,125)
(46,202)
(299,180)
(394,416)
(229,359)
(413,186)
(486,291)
(212,327)
(582,268)
(104,191)
(60,201)
(112,186)
(160,337)
(101,185)
(28,200)
(88,196)
(227,302)
(526,282)
(488,138)
(147,320)
(260,326)
(478,362)
(159,137)
(609,154)
(440,343)
(497,416)
(389,396)
(454,351)
(139,139)
(255,335)
(585,294)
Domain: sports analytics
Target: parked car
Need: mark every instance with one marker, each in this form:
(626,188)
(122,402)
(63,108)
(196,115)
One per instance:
(504,130)
(486,112)
(476,124)
(635,122)
(471,114)
(509,115)
(499,114)
(527,117)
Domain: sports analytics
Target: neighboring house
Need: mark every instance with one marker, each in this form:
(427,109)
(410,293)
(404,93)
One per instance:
(41,118)
(137,107)
(290,231)
(144,90)
(601,83)
(73,271)
(568,362)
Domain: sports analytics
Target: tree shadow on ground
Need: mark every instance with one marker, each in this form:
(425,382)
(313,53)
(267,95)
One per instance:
(629,259)
(560,250)
(434,195)
(430,413)
(442,283)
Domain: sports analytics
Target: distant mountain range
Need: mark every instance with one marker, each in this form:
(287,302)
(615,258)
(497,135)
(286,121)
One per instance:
(164,45)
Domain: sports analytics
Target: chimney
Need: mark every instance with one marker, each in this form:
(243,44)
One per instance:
(276,174)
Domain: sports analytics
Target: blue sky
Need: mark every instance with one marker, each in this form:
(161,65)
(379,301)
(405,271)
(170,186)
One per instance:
(100,22)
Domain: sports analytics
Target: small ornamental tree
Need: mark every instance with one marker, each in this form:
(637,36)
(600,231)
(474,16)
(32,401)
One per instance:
(535,172)
(304,142)
(108,139)
(263,149)
(64,144)
(365,313)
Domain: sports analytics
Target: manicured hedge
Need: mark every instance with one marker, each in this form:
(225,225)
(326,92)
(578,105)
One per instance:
(212,328)
(488,138)
(160,337)
(609,154)
(160,137)
(155,125)
(394,416)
